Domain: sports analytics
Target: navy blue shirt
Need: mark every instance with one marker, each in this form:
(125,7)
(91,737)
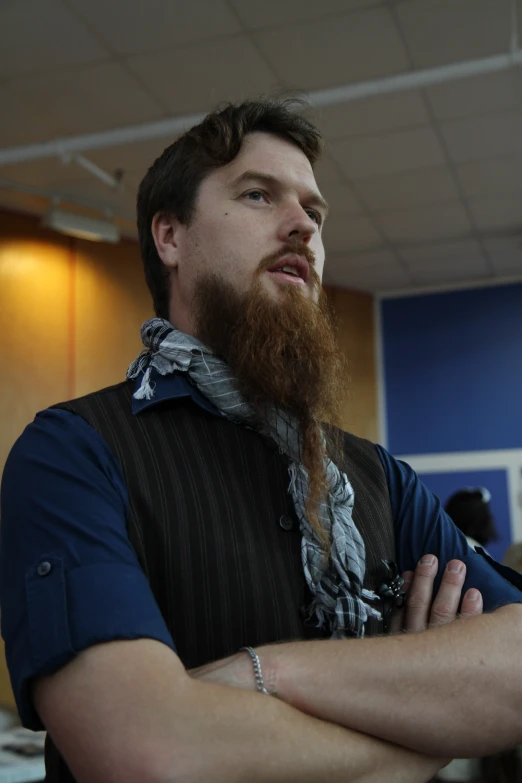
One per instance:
(69,577)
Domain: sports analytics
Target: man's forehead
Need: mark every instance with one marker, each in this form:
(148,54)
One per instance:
(273,156)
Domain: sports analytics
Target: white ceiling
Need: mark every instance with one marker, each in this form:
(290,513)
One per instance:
(425,185)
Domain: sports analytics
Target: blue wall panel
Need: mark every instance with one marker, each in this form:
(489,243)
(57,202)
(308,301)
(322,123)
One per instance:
(445,484)
(453,370)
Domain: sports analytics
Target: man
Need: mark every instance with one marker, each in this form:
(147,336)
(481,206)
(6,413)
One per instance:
(151,537)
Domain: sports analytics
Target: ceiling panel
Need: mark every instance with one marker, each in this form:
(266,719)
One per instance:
(493,175)
(21,124)
(369,259)
(408,189)
(372,115)
(483,137)
(506,254)
(441,252)
(450,271)
(51,37)
(132,26)
(198,77)
(327,170)
(497,213)
(351,47)
(372,156)
(47,173)
(482,94)
(254,14)
(341,200)
(356,233)
(383,279)
(446,31)
(436,222)
(90,98)
(134,159)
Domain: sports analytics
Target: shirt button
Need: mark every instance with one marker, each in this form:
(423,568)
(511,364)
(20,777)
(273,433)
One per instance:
(44,568)
(286,522)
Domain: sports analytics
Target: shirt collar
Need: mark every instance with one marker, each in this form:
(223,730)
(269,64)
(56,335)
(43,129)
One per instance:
(170,387)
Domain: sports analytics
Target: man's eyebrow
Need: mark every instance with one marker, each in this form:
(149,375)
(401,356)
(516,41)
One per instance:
(312,197)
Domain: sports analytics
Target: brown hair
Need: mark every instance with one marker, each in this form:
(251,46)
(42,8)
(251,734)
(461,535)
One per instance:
(171,184)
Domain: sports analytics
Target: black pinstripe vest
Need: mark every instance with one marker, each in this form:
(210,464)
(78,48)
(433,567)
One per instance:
(214,526)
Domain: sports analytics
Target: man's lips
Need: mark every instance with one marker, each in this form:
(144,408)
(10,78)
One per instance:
(299,263)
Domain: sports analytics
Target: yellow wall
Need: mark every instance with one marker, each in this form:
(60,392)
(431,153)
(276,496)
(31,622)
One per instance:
(70,313)
(354,311)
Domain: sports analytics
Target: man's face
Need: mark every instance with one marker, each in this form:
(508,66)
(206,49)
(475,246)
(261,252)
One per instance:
(259,213)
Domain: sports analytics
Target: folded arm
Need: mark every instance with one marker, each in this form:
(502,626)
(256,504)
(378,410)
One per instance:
(452,690)
(129,711)
(455,689)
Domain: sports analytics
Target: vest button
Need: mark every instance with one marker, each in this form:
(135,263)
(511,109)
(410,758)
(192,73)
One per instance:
(286,522)
(44,568)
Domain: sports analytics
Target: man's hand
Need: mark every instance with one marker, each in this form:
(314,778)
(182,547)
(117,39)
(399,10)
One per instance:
(420,611)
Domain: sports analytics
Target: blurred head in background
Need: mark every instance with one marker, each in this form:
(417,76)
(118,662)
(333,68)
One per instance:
(470,510)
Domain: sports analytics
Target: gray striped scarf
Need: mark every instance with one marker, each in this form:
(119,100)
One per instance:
(339,601)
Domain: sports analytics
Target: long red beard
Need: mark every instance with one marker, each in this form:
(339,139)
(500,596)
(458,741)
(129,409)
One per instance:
(283,353)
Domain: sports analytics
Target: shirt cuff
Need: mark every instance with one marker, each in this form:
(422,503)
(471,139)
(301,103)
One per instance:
(69,611)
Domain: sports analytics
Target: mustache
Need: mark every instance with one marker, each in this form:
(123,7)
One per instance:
(297,248)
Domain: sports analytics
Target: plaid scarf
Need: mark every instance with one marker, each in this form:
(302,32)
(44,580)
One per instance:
(339,601)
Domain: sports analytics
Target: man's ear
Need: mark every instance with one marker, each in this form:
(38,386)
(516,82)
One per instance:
(167,230)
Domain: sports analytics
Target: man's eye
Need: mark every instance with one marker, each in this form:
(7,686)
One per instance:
(255,195)
(315,216)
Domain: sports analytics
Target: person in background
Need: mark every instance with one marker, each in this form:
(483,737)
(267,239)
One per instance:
(470,510)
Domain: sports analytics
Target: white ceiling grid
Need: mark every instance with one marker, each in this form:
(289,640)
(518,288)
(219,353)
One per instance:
(425,185)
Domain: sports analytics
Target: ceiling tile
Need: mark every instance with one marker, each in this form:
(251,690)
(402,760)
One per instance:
(377,279)
(439,221)
(441,252)
(47,173)
(493,175)
(374,156)
(484,137)
(507,264)
(447,31)
(341,201)
(468,97)
(198,77)
(497,213)
(52,37)
(254,14)
(505,254)
(335,50)
(450,272)
(100,194)
(132,26)
(372,115)
(91,98)
(134,159)
(408,189)
(327,171)
(511,243)
(21,124)
(343,235)
(364,261)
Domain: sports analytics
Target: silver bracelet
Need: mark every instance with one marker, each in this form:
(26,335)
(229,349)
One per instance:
(258,674)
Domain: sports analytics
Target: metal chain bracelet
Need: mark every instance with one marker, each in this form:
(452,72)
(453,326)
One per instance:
(258,674)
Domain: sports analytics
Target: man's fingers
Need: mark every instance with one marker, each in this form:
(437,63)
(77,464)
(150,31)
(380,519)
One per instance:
(472,604)
(418,603)
(397,621)
(446,603)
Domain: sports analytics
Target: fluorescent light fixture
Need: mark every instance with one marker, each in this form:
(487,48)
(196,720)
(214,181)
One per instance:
(81,226)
